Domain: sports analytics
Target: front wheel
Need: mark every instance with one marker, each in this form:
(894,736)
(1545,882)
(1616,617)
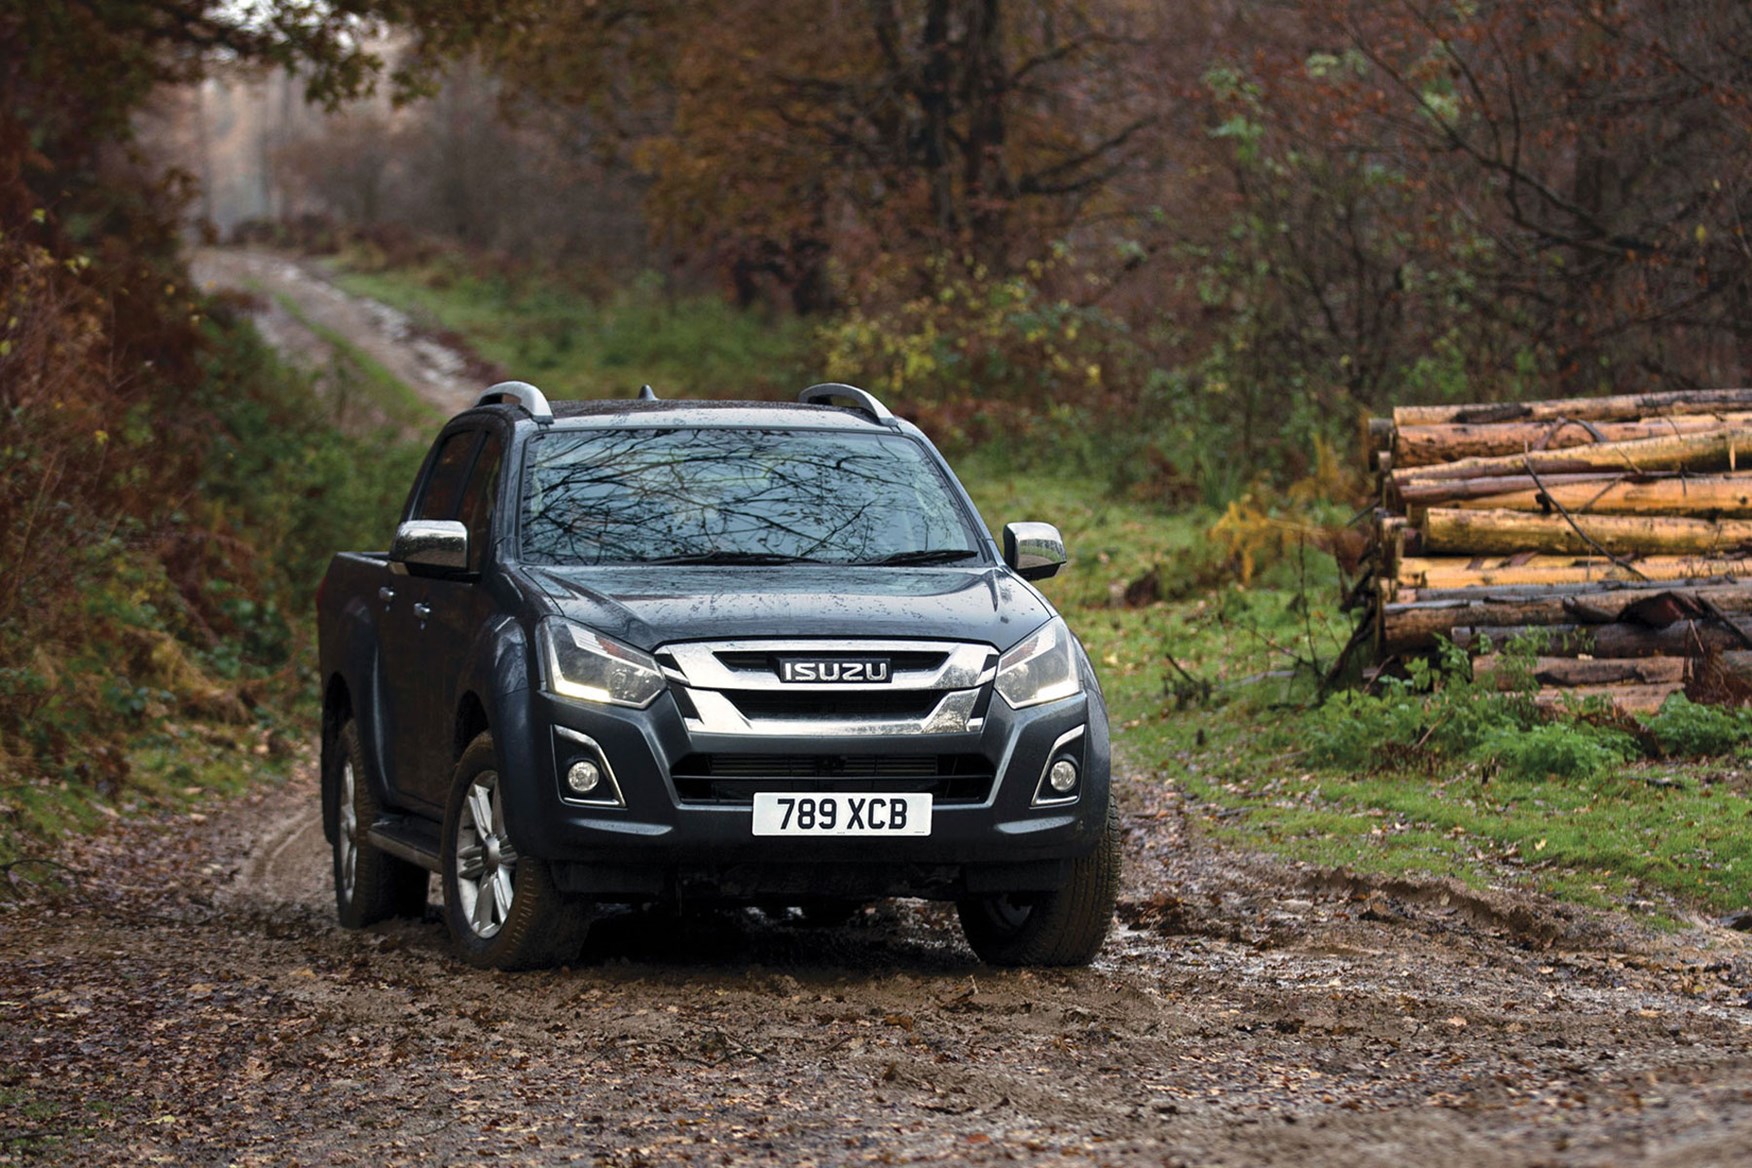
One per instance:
(1065,927)
(504,910)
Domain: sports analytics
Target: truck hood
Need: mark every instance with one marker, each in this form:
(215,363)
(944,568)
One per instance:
(652,607)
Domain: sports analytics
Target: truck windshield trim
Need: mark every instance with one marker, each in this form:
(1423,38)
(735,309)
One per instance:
(766,497)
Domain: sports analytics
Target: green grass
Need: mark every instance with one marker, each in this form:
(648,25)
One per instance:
(1651,831)
(173,768)
(42,1127)
(579,347)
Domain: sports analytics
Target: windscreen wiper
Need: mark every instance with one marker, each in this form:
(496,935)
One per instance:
(755,558)
(924,556)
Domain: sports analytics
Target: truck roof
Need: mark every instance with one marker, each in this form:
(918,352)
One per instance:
(707,413)
(812,408)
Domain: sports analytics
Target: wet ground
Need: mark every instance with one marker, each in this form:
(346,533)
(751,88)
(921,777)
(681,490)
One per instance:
(187,998)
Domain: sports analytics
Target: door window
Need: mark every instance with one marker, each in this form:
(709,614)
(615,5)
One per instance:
(478,501)
(443,489)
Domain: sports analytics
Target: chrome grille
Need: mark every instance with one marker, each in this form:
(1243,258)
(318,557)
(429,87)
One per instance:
(735,688)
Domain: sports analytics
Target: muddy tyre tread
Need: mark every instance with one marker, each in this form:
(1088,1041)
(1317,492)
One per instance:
(544,927)
(384,886)
(1066,927)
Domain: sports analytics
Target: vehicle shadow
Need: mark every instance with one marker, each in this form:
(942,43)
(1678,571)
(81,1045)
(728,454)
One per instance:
(913,936)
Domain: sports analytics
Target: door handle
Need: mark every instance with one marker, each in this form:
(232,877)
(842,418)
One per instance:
(386,594)
(422,610)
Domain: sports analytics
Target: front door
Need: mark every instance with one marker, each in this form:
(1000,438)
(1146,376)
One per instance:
(408,690)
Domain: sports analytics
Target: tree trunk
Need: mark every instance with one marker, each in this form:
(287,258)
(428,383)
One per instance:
(1717,450)
(1415,493)
(1583,671)
(1618,640)
(1454,572)
(1415,625)
(1479,532)
(1415,446)
(1624,407)
(1625,699)
(1699,496)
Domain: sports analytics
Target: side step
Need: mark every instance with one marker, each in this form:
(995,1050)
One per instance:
(409,837)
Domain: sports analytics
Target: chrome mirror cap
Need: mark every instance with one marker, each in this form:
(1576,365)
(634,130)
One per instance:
(1035,550)
(431,543)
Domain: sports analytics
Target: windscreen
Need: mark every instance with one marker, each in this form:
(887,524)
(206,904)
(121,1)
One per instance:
(708,495)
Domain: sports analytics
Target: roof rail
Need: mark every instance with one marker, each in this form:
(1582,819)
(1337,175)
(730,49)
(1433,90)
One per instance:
(519,393)
(827,391)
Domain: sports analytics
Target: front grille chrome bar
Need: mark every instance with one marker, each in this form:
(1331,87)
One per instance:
(713,673)
(698,664)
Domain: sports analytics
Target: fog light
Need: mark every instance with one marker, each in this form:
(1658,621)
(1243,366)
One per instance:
(1063,776)
(583,777)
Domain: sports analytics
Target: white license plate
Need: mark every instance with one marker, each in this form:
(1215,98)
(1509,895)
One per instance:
(841,814)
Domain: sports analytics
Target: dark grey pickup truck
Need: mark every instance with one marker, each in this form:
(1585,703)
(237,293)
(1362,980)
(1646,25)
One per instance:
(677,651)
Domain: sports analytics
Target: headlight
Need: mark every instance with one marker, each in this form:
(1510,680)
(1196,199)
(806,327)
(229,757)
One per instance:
(1040,669)
(592,668)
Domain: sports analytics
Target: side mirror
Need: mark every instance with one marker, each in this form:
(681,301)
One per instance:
(440,544)
(1035,550)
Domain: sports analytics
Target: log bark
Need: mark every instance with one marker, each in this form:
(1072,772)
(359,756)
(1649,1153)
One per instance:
(1436,492)
(1699,496)
(1585,671)
(1499,532)
(1625,699)
(1457,572)
(1415,446)
(1414,626)
(1620,407)
(1712,451)
(1392,592)
(1618,640)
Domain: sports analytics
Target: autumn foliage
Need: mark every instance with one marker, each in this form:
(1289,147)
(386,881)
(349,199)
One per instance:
(134,584)
(1259,221)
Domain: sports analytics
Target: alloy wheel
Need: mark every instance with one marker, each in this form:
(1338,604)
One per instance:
(486,863)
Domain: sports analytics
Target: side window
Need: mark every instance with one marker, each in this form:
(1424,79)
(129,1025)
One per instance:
(478,501)
(443,489)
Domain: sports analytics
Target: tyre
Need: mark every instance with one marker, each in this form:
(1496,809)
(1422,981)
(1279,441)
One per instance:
(504,910)
(370,885)
(1065,927)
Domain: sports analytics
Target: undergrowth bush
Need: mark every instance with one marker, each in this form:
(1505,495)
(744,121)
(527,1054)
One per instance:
(1440,713)
(1564,750)
(156,580)
(1684,728)
(1437,711)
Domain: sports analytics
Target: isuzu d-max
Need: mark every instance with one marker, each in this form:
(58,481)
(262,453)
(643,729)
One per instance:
(678,651)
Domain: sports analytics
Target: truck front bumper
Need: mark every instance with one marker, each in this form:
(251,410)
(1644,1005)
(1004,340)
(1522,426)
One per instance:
(674,818)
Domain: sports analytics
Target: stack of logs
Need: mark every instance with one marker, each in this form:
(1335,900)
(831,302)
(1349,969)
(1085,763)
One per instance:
(1620,526)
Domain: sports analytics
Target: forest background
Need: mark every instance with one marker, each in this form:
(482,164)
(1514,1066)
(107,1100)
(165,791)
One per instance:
(1157,260)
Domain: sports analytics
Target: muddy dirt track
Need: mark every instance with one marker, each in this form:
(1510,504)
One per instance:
(187,999)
